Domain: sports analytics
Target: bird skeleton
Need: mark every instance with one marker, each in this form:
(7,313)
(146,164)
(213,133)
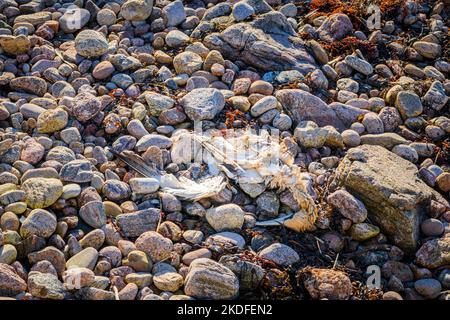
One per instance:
(243,156)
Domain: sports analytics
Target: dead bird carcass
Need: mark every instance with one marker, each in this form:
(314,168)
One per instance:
(241,155)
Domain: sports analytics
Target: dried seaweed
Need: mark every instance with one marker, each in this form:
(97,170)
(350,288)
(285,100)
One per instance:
(278,285)
(356,10)
(328,7)
(348,45)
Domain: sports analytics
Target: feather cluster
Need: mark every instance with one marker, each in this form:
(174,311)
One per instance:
(244,156)
(249,157)
(181,187)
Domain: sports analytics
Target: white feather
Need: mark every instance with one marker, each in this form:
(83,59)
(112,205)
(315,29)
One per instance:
(191,190)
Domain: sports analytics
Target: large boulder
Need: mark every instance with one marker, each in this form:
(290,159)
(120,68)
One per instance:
(269,43)
(389,186)
(304,106)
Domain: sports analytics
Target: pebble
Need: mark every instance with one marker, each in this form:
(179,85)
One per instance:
(129,292)
(32,152)
(328,284)
(40,223)
(139,261)
(176,39)
(170,230)
(351,138)
(77,278)
(443,181)
(429,288)
(398,269)
(347,84)
(392,295)
(423,149)
(30,84)
(150,140)
(168,280)
(90,44)
(87,258)
(193,236)
(11,283)
(42,192)
(144,185)
(280,254)
(136,10)
(226,239)
(373,123)
(50,253)
(94,239)
(435,97)
(391,118)
(242,10)
(327,31)
(8,254)
(263,105)
(45,286)
(136,223)
(408,104)
(213,57)
(86,106)
(154,245)
(203,103)
(387,140)
(106,17)
(187,62)
(432,227)
(15,45)
(427,49)
(359,65)
(406,152)
(78,171)
(93,213)
(116,190)
(310,135)
(349,206)
(225,217)
(103,70)
(196,254)
(363,231)
(207,279)
(174,13)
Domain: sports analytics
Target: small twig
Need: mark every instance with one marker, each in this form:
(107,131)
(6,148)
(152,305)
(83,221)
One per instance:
(319,240)
(335,261)
(318,246)
(160,215)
